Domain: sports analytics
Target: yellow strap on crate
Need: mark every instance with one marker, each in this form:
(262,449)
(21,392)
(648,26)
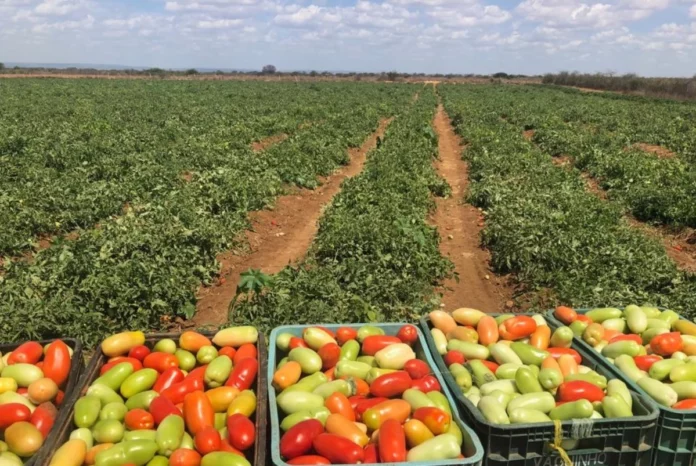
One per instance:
(557,440)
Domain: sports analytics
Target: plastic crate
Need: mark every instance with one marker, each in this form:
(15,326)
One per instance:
(257,457)
(472,448)
(675,441)
(76,367)
(625,441)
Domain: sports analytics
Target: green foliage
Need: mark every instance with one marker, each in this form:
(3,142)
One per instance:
(374,258)
(541,223)
(75,151)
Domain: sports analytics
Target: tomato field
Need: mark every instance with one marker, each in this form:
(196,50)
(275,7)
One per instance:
(120,196)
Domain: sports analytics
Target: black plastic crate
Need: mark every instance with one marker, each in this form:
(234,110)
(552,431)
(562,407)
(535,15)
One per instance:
(256,458)
(625,441)
(76,366)
(675,441)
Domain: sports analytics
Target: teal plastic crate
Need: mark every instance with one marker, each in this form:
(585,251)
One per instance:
(675,441)
(610,442)
(472,449)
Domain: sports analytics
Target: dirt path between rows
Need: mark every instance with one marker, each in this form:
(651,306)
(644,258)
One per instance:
(279,236)
(679,246)
(459,225)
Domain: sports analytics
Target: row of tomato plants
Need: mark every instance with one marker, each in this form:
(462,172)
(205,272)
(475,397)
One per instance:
(375,258)
(146,265)
(542,225)
(654,189)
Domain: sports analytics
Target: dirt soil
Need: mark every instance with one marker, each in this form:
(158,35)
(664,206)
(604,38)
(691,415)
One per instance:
(278,236)
(459,225)
(529,134)
(265,143)
(661,152)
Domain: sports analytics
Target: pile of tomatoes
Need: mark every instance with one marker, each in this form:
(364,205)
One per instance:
(655,349)
(178,403)
(31,379)
(357,395)
(517,370)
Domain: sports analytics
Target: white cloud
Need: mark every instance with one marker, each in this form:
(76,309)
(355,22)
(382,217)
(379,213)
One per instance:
(692,12)
(576,13)
(219,23)
(71,25)
(58,7)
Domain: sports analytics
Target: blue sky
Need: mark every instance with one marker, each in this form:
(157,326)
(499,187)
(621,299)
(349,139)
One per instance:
(650,37)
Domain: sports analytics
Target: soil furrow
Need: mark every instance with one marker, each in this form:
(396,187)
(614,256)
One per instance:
(460,225)
(278,236)
(680,246)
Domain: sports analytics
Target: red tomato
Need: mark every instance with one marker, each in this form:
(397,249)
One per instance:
(241,432)
(685,404)
(579,390)
(391,385)
(198,412)
(139,352)
(558,352)
(207,440)
(427,384)
(565,314)
(297,441)
(225,446)
(517,327)
(454,357)
(245,351)
(297,343)
(417,368)
(434,419)
(13,412)
(184,457)
(491,365)
(355,400)
(177,392)
(371,454)
(243,375)
(309,459)
(666,344)
(137,419)
(583,318)
(631,337)
(374,343)
(227,351)
(408,334)
(56,363)
(645,362)
(329,354)
(345,334)
(392,442)
(43,418)
(26,353)
(337,449)
(168,378)
(161,407)
(367,404)
(160,361)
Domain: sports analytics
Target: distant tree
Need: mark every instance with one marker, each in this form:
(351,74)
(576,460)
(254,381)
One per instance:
(392,75)
(313,73)
(2,66)
(191,71)
(501,76)
(268,69)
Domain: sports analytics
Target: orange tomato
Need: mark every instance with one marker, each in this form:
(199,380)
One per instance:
(222,397)
(247,350)
(91,456)
(565,314)
(227,351)
(487,329)
(185,457)
(338,403)
(540,338)
(287,375)
(339,425)
(568,365)
(193,341)
(198,412)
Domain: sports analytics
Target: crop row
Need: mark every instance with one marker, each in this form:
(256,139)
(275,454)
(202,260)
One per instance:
(600,136)
(73,153)
(147,264)
(374,258)
(542,225)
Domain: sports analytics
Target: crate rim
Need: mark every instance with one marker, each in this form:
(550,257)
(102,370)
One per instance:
(275,437)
